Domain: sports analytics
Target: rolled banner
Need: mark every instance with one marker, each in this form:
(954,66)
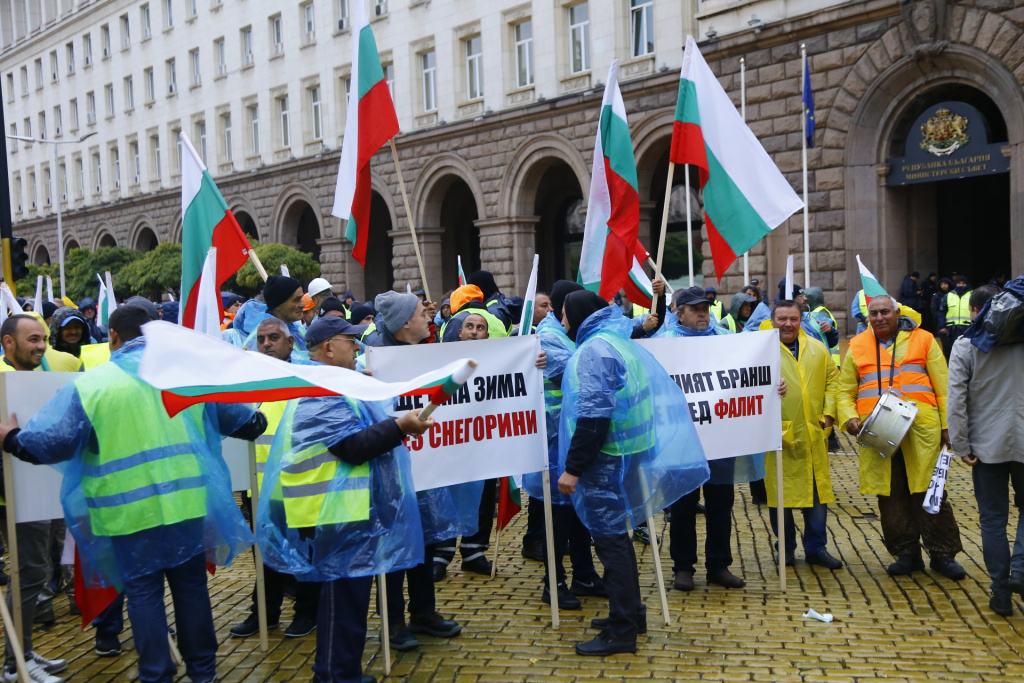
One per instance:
(933,497)
(450,387)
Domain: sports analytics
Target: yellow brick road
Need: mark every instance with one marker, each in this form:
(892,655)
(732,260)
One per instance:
(893,629)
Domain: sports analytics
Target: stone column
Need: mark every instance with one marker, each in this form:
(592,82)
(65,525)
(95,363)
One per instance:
(507,246)
(404,259)
(1012,152)
(333,251)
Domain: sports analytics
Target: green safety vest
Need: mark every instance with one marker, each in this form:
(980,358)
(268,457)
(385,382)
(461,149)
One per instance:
(716,309)
(958,311)
(639,310)
(862,301)
(306,487)
(833,351)
(631,430)
(370,329)
(730,322)
(142,477)
(274,411)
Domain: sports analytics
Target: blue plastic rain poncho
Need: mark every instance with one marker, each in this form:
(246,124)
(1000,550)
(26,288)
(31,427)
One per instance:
(248,318)
(450,511)
(660,457)
(364,521)
(142,492)
(559,349)
(758,316)
(738,470)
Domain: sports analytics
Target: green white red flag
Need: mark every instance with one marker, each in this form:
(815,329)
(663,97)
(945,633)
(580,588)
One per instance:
(371,121)
(868,282)
(462,274)
(611,256)
(530,300)
(106,303)
(745,195)
(206,221)
(510,501)
(223,373)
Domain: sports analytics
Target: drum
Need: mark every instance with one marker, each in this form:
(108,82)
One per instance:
(888,423)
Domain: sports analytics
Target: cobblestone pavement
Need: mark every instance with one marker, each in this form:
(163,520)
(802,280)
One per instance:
(897,629)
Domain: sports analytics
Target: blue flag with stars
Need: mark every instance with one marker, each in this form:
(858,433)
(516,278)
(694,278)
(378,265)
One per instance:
(808,104)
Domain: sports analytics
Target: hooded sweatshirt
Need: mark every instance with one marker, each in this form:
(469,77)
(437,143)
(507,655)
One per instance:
(56,324)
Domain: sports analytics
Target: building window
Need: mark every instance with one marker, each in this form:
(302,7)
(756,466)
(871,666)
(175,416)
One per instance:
(24,81)
(69,52)
(97,172)
(428,65)
(105,40)
(28,128)
(154,157)
(31,191)
(129,94)
(225,127)
(579,38)
(193,58)
(254,129)
(176,136)
(201,137)
(168,13)
(192,8)
(150,84)
(115,162)
(39,74)
(522,34)
(474,68)
(47,179)
(74,114)
(389,78)
(222,56)
(641,22)
(172,77)
(315,112)
(380,7)
(80,176)
(10,87)
(90,107)
(284,121)
(87,48)
(126,38)
(247,46)
(342,15)
(62,177)
(133,150)
(108,97)
(308,23)
(276,35)
(42,125)
(147,22)
(13,143)
(58,122)
(53,67)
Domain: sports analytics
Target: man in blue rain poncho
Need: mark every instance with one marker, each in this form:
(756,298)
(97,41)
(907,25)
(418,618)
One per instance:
(625,452)
(693,319)
(567,530)
(146,496)
(338,503)
(282,299)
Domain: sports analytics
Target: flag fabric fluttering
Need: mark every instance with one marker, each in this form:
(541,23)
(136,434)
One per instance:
(530,300)
(808,104)
(221,372)
(8,303)
(370,122)
(462,273)
(608,260)
(49,288)
(789,278)
(284,270)
(745,195)
(106,303)
(37,303)
(206,222)
(868,282)
(208,312)
(510,501)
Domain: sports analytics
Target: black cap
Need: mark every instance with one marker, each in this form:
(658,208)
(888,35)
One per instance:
(330,326)
(689,297)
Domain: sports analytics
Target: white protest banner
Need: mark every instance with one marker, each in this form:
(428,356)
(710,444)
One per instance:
(494,426)
(730,384)
(37,492)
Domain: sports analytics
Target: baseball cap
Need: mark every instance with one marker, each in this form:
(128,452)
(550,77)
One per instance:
(330,326)
(689,297)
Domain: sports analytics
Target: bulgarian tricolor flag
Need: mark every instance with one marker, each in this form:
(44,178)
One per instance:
(221,372)
(371,121)
(745,195)
(530,300)
(611,255)
(510,501)
(869,283)
(462,274)
(206,222)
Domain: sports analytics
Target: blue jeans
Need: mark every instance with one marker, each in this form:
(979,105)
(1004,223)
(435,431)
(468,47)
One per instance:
(815,529)
(110,622)
(991,489)
(193,614)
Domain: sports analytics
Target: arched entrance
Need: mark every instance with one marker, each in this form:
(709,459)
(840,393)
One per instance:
(248,225)
(300,228)
(559,205)
(379,274)
(461,237)
(675,261)
(107,240)
(146,240)
(41,255)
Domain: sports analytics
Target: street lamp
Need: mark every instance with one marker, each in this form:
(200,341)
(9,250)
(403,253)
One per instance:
(56,187)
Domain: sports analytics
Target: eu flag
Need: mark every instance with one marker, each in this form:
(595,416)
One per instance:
(808,104)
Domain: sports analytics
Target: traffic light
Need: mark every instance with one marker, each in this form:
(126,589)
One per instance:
(19,258)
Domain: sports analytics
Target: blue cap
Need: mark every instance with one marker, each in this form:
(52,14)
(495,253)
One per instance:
(330,326)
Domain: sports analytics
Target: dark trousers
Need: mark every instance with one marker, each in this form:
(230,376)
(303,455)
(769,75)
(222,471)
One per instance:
(905,524)
(953,332)
(34,567)
(991,489)
(110,622)
(307,595)
(622,581)
(476,545)
(534,521)
(718,500)
(815,525)
(421,592)
(341,630)
(572,536)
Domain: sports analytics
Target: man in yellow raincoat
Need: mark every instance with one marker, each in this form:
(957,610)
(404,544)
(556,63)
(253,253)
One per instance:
(808,410)
(897,356)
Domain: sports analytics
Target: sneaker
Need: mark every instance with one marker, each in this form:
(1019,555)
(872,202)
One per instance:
(905,564)
(50,666)
(566,600)
(533,549)
(823,559)
(594,587)
(401,638)
(478,565)
(948,567)
(107,645)
(250,627)
(36,673)
(302,625)
(642,534)
(433,624)
(440,572)
(1001,605)
(1016,584)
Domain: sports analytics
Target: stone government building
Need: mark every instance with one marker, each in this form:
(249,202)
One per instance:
(498,104)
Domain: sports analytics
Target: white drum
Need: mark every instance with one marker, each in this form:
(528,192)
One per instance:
(887,425)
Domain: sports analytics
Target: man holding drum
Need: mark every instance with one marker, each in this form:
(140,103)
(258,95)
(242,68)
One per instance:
(896,356)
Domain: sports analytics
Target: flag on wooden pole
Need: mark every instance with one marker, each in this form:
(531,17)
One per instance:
(370,122)
(868,282)
(37,303)
(209,308)
(462,273)
(530,300)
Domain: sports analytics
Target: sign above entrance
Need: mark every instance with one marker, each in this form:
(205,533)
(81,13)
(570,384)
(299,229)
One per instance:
(949,140)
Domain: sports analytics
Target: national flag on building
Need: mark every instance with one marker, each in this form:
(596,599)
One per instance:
(868,282)
(221,372)
(745,195)
(609,258)
(371,121)
(206,221)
